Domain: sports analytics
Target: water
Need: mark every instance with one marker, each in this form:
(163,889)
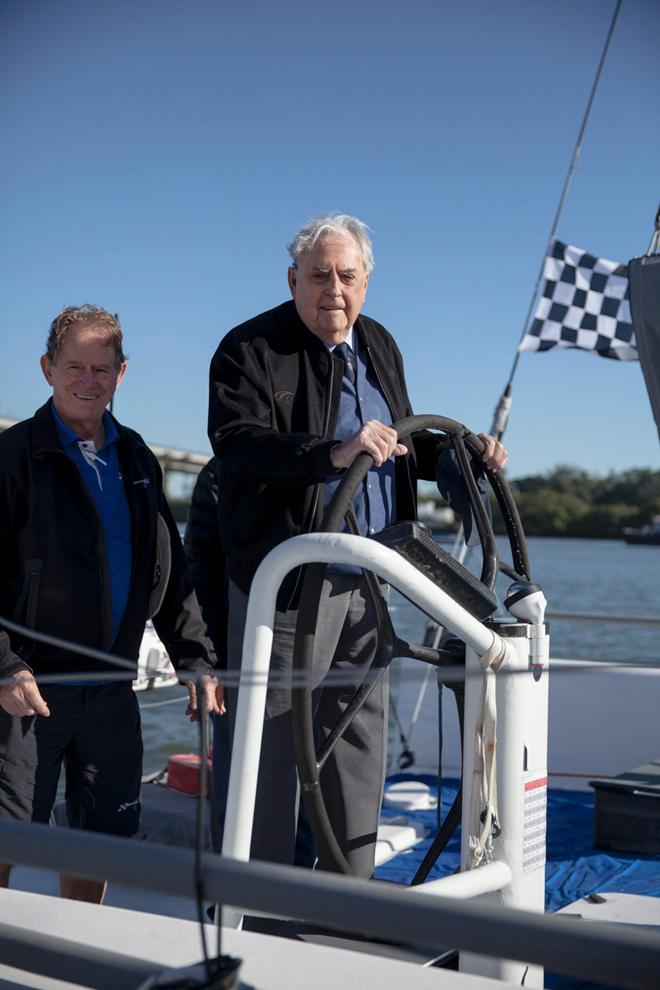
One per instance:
(606,577)
(602,576)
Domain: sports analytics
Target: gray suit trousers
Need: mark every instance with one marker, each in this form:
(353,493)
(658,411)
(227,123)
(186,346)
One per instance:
(353,776)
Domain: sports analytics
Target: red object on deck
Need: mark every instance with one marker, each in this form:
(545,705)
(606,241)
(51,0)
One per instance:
(183,773)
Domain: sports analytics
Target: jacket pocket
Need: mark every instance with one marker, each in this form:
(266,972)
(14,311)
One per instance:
(28,600)
(26,607)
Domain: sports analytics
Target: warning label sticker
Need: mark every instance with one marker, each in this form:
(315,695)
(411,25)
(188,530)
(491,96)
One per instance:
(535,801)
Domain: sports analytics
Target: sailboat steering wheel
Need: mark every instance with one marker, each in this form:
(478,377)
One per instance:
(417,545)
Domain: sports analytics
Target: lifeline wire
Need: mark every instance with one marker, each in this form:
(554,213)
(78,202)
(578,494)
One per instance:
(337,678)
(446,673)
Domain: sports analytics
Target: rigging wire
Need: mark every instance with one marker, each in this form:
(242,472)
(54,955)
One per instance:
(501,415)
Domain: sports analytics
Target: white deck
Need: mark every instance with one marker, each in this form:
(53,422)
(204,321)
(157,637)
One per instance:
(628,909)
(268,963)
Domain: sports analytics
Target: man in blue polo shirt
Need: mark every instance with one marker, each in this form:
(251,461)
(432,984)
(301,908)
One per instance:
(90,551)
(99,469)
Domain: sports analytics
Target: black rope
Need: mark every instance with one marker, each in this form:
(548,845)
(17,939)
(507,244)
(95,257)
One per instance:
(203,722)
(406,756)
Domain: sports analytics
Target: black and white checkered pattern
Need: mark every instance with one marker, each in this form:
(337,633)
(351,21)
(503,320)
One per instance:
(585,304)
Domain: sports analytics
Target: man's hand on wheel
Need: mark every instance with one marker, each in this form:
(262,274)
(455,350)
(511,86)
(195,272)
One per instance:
(495,454)
(373,438)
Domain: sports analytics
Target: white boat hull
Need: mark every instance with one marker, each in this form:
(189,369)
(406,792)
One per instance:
(603,720)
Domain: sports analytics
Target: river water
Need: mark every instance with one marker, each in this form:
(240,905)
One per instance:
(594,576)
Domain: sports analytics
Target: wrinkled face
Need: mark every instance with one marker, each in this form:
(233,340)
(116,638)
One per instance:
(83,376)
(329,287)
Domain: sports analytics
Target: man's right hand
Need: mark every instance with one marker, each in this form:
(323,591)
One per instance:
(374,438)
(23,697)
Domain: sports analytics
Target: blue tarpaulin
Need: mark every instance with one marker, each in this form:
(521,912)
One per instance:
(573,869)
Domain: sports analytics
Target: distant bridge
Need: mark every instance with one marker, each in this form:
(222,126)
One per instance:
(172,460)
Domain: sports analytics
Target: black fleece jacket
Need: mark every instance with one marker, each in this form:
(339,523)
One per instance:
(54,575)
(274,398)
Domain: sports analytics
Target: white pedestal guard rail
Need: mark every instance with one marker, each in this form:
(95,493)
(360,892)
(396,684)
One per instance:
(513,871)
(336,548)
(520,698)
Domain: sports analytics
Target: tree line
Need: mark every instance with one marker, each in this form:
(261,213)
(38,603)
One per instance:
(568,501)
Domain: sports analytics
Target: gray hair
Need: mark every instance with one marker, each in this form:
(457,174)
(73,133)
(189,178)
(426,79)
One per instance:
(109,322)
(333,223)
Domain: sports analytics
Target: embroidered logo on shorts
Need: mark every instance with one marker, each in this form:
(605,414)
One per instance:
(142,481)
(125,807)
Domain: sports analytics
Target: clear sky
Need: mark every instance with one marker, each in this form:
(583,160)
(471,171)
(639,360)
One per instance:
(157,157)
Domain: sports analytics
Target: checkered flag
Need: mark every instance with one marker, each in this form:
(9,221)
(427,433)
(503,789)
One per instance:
(585,303)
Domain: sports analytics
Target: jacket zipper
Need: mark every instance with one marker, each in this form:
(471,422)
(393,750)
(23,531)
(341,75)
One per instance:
(391,405)
(133,510)
(326,427)
(32,598)
(317,487)
(102,556)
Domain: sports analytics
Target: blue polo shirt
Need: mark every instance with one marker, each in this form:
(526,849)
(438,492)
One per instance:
(100,471)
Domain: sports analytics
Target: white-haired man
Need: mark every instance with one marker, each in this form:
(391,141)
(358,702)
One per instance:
(296,394)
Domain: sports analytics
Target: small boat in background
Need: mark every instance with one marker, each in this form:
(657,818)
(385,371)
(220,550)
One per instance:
(439,518)
(155,668)
(649,534)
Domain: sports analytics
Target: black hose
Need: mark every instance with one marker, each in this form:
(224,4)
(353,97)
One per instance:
(486,537)
(303,717)
(453,816)
(513,524)
(439,844)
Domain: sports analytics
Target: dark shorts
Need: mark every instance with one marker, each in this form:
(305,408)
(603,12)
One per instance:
(95,731)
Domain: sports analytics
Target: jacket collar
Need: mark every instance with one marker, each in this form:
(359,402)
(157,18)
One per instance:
(44,431)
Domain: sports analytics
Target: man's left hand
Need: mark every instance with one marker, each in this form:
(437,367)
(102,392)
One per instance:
(212,701)
(494,455)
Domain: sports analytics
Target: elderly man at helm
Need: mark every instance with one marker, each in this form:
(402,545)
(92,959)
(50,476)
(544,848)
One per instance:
(90,551)
(296,394)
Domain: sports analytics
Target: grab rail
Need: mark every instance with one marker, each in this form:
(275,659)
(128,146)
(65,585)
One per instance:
(620,954)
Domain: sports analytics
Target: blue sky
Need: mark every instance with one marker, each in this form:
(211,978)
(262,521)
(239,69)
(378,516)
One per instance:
(158,157)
